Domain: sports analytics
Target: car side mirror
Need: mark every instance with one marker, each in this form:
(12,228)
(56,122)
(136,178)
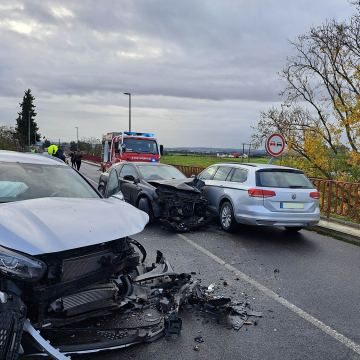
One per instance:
(129,178)
(161,150)
(116,145)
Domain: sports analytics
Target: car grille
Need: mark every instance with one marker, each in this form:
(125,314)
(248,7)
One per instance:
(76,267)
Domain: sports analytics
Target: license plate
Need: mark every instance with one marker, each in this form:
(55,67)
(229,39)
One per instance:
(291,205)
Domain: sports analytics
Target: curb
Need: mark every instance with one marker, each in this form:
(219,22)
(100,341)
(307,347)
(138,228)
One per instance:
(351,239)
(91,163)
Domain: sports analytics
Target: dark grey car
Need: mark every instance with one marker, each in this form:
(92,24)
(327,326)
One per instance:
(160,190)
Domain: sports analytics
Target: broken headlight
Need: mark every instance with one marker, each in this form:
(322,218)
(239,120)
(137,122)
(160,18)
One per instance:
(20,266)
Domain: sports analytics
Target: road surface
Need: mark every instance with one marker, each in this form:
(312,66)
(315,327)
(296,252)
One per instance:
(306,285)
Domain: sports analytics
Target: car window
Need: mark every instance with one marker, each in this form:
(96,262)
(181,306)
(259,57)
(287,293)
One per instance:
(283,179)
(32,181)
(128,170)
(240,175)
(207,173)
(113,183)
(222,173)
(160,172)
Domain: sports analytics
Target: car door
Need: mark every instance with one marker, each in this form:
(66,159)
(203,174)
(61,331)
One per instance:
(113,183)
(214,190)
(128,188)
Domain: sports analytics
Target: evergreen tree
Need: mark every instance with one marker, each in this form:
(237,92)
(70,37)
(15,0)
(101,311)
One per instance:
(22,122)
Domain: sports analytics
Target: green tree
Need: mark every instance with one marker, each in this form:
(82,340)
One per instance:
(22,122)
(73,146)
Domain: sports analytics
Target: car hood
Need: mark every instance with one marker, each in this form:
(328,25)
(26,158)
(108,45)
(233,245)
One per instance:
(188,184)
(50,225)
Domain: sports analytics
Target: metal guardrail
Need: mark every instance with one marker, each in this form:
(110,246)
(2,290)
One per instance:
(338,197)
(92,158)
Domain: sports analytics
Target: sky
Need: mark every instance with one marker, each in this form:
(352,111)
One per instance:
(199,71)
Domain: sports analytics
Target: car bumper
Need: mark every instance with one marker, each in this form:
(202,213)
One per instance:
(268,218)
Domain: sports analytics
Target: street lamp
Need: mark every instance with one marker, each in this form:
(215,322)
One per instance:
(129,110)
(77,137)
(29,128)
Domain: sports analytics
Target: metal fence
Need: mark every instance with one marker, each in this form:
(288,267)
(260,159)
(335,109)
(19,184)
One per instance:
(92,158)
(338,197)
(190,170)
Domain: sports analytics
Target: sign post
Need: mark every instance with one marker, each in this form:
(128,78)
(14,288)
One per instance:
(275,145)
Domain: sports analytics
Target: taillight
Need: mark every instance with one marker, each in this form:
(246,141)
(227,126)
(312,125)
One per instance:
(261,193)
(315,195)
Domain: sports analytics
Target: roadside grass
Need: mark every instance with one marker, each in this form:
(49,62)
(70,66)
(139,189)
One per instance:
(205,161)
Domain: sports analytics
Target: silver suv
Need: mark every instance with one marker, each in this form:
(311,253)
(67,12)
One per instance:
(257,194)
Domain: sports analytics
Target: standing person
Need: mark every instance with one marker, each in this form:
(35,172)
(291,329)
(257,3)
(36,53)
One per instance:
(77,158)
(72,154)
(33,150)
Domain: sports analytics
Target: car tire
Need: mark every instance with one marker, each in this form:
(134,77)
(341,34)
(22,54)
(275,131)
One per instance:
(144,205)
(293,229)
(227,218)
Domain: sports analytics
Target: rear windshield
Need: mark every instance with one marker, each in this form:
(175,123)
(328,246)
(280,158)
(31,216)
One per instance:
(32,181)
(275,178)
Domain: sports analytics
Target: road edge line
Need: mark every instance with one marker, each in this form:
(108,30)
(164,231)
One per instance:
(303,314)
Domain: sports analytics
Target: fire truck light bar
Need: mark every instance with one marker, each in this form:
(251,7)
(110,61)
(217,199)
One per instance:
(138,134)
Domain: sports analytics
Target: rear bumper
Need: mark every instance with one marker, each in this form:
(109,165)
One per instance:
(268,218)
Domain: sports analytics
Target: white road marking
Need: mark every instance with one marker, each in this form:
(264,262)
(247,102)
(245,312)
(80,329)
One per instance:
(319,324)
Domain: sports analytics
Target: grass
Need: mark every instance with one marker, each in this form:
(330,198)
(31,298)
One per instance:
(205,161)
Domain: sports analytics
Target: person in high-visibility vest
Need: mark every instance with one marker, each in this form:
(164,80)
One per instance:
(55,151)
(33,150)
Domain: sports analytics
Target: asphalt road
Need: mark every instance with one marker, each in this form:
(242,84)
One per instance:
(306,285)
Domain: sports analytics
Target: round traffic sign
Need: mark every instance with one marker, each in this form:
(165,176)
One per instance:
(275,144)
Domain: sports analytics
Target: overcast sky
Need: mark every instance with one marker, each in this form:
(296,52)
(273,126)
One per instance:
(199,72)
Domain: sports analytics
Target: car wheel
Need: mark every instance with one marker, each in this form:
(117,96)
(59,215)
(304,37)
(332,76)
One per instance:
(144,205)
(227,219)
(293,229)
(102,191)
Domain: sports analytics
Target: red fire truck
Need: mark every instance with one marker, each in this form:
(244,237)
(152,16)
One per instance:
(129,146)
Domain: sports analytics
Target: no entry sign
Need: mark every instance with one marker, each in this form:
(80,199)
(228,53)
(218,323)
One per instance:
(275,144)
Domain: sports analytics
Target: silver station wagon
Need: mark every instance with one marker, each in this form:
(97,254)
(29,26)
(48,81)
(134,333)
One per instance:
(257,194)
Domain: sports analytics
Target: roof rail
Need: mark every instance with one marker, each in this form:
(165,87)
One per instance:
(238,163)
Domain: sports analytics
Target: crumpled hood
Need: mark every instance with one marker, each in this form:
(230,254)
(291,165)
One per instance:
(50,225)
(189,184)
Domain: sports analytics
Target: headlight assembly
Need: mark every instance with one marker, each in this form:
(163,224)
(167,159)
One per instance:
(20,267)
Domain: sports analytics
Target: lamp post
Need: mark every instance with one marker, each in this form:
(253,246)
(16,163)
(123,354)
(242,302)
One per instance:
(129,110)
(77,136)
(29,128)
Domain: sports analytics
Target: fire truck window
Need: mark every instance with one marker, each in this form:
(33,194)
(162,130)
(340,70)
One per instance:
(208,173)
(128,170)
(113,184)
(141,146)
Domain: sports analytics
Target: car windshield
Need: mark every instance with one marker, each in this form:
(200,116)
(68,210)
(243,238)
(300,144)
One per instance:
(160,172)
(32,181)
(141,146)
(276,178)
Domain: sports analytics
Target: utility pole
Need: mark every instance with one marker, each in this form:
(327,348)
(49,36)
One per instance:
(129,109)
(243,152)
